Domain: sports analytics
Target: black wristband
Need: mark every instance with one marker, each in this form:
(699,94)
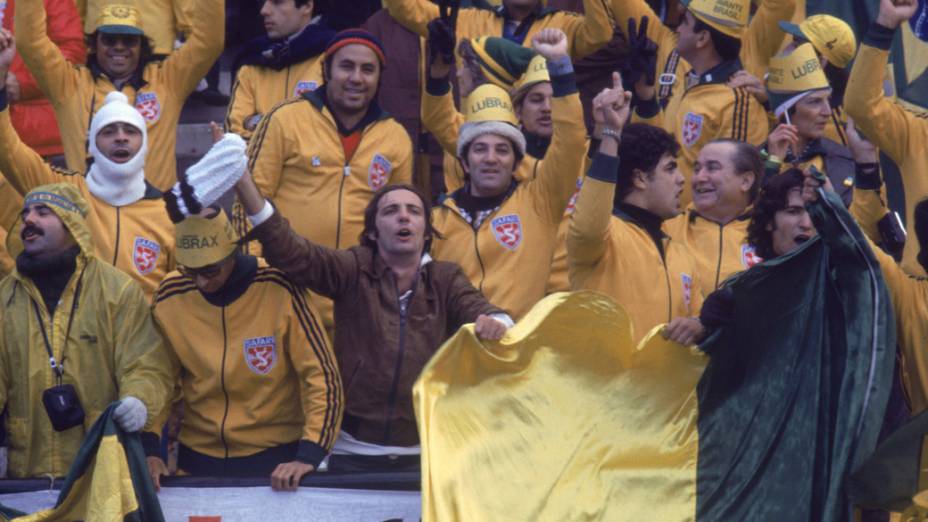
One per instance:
(879,36)
(867,176)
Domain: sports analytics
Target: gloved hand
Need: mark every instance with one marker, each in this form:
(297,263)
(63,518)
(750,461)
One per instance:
(131,414)
(442,37)
(208,179)
(642,54)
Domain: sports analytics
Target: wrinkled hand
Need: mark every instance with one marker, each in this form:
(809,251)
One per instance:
(488,328)
(130,414)
(781,139)
(287,475)
(550,43)
(894,12)
(7,52)
(751,83)
(156,470)
(641,64)
(684,330)
(862,150)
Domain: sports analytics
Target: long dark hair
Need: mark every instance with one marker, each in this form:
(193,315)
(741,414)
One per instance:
(370,216)
(146,52)
(773,198)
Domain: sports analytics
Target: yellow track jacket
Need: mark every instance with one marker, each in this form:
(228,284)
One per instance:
(899,133)
(256,371)
(158,90)
(297,160)
(761,40)
(508,256)
(113,350)
(137,238)
(585,33)
(719,251)
(612,254)
(910,300)
(258,89)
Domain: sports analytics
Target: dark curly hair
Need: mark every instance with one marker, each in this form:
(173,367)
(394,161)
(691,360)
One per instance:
(370,216)
(642,148)
(774,197)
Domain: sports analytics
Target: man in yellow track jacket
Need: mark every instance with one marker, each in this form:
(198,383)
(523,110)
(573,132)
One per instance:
(726,179)
(501,231)
(322,156)
(73,330)
(261,389)
(285,63)
(10,203)
(515,20)
(899,133)
(129,228)
(120,59)
(615,244)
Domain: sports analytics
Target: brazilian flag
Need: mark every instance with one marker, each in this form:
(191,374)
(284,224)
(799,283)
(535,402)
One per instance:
(909,53)
(108,480)
(566,419)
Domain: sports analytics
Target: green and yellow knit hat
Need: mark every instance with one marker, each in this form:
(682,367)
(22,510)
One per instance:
(729,17)
(793,76)
(203,241)
(66,201)
(501,61)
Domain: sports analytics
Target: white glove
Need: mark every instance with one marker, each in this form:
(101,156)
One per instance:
(131,414)
(218,170)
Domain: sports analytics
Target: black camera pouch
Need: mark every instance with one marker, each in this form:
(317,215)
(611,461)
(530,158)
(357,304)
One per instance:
(63,407)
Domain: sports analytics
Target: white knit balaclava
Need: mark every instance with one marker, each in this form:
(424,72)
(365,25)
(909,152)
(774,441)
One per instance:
(118,184)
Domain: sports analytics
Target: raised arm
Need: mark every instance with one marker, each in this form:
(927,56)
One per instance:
(414,15)
(590,221)
(556,180)
(23,168)
(589,32)
(763,37)
(184,68)
(887,124)
(323,270)
(54,75)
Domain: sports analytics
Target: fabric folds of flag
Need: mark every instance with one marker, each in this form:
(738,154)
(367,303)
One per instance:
(108,480)
(565,419)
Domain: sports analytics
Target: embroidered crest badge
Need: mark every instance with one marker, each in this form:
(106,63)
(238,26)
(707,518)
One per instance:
(507,230)
(148,105)
(260,354)
(378,172)
(687,288)
(304,86)
(692,128)
(145,254)
(749,256)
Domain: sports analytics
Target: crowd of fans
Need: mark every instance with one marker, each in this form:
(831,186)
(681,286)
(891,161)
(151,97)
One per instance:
(282,334)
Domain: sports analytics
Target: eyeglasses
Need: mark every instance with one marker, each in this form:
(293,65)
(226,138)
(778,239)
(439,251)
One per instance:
(208,271)
(127,40)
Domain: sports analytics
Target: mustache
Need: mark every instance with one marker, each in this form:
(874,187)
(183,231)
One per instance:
(31,229)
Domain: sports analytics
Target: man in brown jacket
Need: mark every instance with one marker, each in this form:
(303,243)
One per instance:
(394,306)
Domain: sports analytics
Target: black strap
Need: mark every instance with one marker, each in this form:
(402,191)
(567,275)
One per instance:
(56,367)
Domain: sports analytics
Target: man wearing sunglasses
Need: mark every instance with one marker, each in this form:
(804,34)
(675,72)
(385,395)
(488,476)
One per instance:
(120,58)
(261,390)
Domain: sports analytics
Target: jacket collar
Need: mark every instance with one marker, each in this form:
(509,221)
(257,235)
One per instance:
(644,220)
(692,214)
(242,275)
(718,74)
(151,192)
(373,265)
(535,145)
(278,54)
(540,11)
(319,99)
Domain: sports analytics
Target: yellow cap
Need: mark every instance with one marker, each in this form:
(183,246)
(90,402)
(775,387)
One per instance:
(537,72)
(489,103)
(119,19)
(204,241)
(832,37)
(795,73)
(730,17)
